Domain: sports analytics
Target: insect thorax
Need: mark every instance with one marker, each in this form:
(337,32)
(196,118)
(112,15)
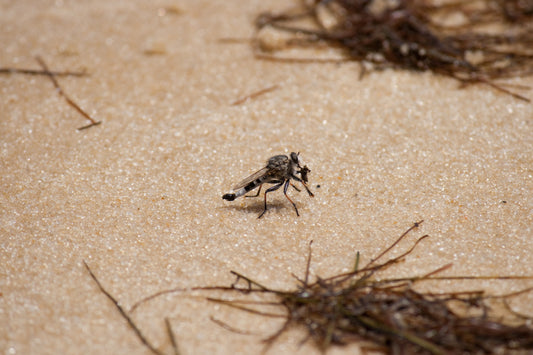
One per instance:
(280,165)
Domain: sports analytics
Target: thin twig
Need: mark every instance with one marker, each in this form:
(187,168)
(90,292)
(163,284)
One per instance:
(66,97)
(123,313)
(172,337)
(415,225)
(229,327)
(254,95)
(41,72)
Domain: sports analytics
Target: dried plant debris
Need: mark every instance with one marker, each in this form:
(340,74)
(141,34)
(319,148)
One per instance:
(385,314)
(52,75)
(67,98)
(477,41)
(391,315)
(40,72)
(255,94)
(128,319)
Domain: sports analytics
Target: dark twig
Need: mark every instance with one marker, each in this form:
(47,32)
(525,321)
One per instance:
(66,97)
(172,337)
(40,72)
(394,244)
(123,313)
(229,327)
(254,95)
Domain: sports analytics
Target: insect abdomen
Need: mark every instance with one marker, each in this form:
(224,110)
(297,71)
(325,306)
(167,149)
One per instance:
(253,185)
(229,197)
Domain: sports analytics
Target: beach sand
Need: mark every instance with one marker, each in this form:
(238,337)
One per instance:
(138,197)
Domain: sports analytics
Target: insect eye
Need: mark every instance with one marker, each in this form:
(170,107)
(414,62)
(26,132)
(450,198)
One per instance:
(294,157)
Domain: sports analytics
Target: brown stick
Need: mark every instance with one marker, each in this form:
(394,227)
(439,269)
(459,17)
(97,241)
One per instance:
(123,313)
(254,95)
(67,98)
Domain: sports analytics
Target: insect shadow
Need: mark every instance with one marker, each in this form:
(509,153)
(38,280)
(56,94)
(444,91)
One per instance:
(257,207)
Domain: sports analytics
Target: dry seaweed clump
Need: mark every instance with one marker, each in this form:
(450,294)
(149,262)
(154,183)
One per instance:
(475,41)
(390,315)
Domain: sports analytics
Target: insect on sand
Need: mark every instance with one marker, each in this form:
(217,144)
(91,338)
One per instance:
(280,169)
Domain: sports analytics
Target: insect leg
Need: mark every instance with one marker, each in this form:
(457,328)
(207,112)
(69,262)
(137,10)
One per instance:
(308,191)
(297,189)
(258,191)
(285,188)
(303,183)
(270,189)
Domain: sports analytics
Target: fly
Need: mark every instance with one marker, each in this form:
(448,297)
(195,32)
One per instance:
(280,169)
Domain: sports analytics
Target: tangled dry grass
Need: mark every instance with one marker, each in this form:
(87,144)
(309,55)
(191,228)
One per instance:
(389,315)
(477,41)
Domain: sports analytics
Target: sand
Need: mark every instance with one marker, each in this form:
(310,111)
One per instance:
(139,196)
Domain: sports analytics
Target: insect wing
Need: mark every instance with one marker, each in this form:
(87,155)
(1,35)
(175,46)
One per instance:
(257,175)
